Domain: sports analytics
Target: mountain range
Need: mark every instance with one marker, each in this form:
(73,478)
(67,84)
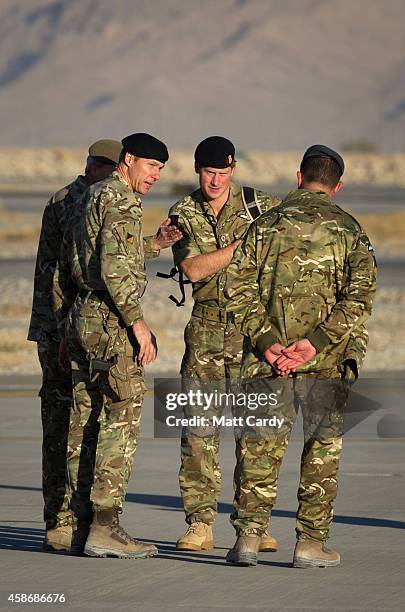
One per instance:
(269,74)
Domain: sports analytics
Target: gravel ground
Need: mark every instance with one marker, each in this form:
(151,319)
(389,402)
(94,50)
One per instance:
(386,327)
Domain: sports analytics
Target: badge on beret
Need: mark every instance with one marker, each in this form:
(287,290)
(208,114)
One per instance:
(229,159)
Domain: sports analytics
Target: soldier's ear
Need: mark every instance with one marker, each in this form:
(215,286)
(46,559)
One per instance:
(337,188)
(299,179)
(128,158)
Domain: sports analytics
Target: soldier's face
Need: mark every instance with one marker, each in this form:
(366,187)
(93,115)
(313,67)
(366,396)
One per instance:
(143,173)
(214,182)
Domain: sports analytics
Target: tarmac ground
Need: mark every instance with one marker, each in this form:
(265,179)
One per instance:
(368,528)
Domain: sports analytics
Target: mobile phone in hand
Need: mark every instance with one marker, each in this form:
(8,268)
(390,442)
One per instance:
(174,220)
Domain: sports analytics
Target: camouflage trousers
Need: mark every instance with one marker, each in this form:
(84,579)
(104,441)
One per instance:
(103,432)
(261,449)
(56,401)
(212,360)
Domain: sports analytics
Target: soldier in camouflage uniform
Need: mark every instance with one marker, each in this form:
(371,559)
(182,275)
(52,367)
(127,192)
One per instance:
(213,220)
(301,287)
(56,393)
(109,343)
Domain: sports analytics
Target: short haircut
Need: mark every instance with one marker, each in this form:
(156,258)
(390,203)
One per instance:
(323,170)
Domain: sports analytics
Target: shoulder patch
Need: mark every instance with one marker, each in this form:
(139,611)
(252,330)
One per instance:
(364,239)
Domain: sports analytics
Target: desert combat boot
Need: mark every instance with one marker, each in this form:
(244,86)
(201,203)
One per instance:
(268,543)
(197,537)
(244,552)
(58,539)
(108,539)
(312,553)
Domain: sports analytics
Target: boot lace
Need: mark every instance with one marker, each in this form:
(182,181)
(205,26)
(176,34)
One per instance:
(124,534)
(194,528)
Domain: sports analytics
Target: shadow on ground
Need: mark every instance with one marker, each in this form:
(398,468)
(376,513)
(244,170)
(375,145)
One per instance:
(21,538)
(30,539)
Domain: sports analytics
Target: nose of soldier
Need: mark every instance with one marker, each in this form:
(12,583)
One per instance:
(215,180)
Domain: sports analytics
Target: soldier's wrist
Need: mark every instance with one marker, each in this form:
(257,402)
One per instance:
(155,244)
(151,247)
(132,316)
(139,320)
(265,341)
(319,339)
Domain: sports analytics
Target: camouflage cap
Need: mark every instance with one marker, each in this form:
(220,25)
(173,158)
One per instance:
(324,151)
(215,152)
(106,151)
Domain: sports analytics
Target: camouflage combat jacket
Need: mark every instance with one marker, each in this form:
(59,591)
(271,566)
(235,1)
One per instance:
(107,253)
(204,233)
(306,269)
(54,221)
(64,288)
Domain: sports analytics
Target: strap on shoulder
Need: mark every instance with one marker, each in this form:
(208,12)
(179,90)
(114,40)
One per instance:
(250,202)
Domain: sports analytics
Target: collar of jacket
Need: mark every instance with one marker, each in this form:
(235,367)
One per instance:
(118,176)
(308,194)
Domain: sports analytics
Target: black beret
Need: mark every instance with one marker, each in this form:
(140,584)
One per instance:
(147,146)
(323,151)
(215,152)
(106,151)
